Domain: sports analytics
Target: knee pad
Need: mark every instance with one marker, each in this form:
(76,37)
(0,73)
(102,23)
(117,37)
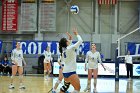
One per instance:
(58,81)
(65,87)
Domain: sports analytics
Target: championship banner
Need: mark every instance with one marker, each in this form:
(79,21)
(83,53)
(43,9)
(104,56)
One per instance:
(28,15)
(0,46)
(9,15)
(134,48)
(47,15)
(107,2)
(38,47)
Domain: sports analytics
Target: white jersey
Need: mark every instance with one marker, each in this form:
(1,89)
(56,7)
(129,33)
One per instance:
(61,58)
(69,55)
(48,57)
(93,59)
(128,59)
(17,56)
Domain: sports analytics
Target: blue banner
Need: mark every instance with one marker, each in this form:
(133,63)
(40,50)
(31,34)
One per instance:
(0,46)
(38,47)
(134,48)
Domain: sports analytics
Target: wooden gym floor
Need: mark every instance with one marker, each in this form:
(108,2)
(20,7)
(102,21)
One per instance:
(37,84)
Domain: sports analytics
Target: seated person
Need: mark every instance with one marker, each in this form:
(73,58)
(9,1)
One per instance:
(6,65)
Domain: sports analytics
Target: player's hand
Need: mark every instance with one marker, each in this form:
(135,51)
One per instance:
(75,31)
(69,35)
(103,67)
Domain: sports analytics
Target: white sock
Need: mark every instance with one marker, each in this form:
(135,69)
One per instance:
(89,84)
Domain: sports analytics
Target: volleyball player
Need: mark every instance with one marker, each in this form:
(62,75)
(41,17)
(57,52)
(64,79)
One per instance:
(47,64)
(17,65)
(61,63)
(92,57)
(69,70)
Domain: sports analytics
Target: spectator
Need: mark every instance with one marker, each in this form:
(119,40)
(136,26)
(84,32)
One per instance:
(6,66)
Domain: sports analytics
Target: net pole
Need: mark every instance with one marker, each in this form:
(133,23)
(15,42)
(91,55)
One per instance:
(118,47)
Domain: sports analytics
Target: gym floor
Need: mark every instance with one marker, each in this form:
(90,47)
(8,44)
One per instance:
(37,84)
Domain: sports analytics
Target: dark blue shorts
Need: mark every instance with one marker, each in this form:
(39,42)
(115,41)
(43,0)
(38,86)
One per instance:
(66,75)
(61,67)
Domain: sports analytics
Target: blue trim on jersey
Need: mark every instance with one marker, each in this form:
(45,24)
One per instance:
(66,75)
(61,67)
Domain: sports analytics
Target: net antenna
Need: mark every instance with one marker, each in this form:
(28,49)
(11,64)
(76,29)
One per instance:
(123,37)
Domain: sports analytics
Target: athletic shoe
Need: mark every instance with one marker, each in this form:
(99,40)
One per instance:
(11,86)
(22,87)
(95,90)
(87,89)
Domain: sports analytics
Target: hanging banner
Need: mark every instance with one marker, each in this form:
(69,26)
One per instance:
(28,15)
(133,47)
(108,2)
(38,47)
(47,15)
(9,15)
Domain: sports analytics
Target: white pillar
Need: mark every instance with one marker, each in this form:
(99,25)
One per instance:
(116,19)
(96,17)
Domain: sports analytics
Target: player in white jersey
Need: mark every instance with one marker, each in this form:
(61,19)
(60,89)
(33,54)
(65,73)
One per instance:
(47,64)
(17,65)
(129,65)
(92,57)
(69,70)
(61,63)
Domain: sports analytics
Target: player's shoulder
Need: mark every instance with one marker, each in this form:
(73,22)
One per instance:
(14,50)
(97,52)
(89,52)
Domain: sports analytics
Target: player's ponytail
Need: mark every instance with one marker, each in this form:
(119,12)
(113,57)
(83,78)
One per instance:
(62,44)
(60,49)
